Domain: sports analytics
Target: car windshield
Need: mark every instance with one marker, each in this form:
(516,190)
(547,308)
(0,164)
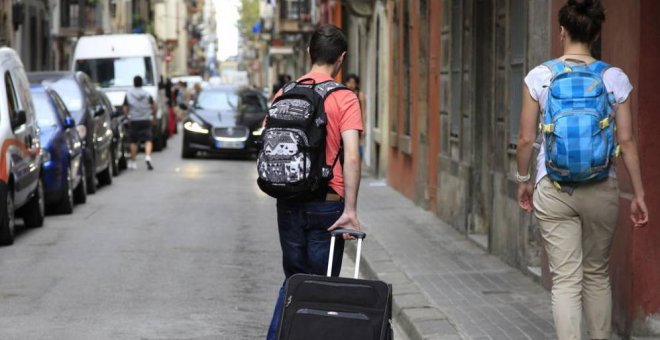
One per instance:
(46,114)
(217,100)
(71,95)
(117,72)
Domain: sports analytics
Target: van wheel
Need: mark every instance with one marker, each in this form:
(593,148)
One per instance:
(66,203)
(35,210)
(80,193)
(7,218)
(158,142)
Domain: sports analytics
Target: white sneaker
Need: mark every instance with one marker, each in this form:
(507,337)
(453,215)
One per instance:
(147,159)
(132,165)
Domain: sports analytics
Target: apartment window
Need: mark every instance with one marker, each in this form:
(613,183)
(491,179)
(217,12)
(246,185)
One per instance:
(517,34)
(70,13)
(294,9)
(456,65)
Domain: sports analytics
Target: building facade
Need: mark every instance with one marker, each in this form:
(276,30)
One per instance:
(443,82)
(172,35)
(455,99)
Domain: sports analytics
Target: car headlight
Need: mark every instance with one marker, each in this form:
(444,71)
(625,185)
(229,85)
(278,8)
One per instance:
(195,127)
(258,131)
(82,131)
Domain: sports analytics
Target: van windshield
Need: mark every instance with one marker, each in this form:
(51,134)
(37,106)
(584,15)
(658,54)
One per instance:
(117,72)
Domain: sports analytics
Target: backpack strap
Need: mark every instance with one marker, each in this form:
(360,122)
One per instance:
(599,67)
(555,66)
(325,88)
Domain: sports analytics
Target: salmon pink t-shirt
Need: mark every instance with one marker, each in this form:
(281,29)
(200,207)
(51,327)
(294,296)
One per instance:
(342,108)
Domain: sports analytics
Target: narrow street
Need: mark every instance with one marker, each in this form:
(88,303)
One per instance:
(188,251)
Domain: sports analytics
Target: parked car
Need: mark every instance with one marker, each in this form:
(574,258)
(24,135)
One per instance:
(190,80)
(224,120)
(92,121)
(119,148)
(21,189)
(62,168)
(113,60)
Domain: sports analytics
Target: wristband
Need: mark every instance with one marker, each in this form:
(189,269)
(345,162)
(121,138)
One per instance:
(522,179)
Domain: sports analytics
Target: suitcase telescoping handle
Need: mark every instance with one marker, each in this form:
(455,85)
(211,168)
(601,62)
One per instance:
(359,235)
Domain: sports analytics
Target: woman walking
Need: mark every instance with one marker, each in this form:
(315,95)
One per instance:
(578,209)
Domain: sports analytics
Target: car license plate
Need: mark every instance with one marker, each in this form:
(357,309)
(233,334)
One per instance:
(229,145)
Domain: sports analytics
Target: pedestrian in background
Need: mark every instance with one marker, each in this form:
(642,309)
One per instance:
(182,98)
(282,79)
(578,218)
(141,110)
(352,81)
(304,227)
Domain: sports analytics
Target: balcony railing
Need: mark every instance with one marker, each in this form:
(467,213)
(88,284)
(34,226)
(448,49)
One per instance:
(296,16)
(299,10)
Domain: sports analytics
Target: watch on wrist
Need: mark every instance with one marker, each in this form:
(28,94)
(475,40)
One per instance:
(522,179)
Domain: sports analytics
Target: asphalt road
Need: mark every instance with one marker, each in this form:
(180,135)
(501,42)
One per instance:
(187,251)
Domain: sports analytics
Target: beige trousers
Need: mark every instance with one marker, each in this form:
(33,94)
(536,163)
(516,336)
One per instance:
(577,231)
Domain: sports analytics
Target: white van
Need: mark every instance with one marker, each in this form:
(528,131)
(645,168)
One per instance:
(113,60)
(21,189)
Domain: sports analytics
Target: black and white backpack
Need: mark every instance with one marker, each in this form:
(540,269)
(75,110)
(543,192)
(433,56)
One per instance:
(291,161)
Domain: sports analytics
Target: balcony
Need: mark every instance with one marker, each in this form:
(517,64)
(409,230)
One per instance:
(297,16)
(81,17)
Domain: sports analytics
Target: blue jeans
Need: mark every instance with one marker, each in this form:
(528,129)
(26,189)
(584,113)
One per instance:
(305,244)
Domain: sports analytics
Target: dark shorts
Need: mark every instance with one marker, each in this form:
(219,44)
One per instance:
(140,131)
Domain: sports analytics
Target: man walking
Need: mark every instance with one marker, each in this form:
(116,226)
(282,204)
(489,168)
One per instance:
(304,226)
(141,109)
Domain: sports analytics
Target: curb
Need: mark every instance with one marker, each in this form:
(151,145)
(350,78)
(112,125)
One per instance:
(418,318)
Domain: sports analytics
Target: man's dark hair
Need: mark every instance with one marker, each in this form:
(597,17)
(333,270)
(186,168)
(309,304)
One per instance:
(327,44)
(137,81)
(582,19)
(354,77)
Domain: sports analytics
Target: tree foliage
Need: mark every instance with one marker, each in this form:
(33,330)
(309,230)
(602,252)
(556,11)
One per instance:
(249,16)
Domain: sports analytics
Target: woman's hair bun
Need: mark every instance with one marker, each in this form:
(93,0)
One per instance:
(584,6)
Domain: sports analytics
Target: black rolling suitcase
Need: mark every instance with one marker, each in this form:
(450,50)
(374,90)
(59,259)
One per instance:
(334,308)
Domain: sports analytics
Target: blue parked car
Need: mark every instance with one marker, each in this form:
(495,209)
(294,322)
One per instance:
(62,163)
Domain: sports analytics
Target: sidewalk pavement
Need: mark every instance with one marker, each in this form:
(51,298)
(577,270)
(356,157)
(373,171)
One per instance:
(445,286)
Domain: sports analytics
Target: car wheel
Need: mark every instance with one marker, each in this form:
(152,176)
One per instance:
(35,210)
(66,204)
(122,163)
(80,193)
(105,177)
(8,219)
(186,151)
(90,176)
(114,160)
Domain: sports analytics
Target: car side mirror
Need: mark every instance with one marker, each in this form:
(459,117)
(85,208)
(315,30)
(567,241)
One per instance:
(19,119)
(99,111)
(69,122)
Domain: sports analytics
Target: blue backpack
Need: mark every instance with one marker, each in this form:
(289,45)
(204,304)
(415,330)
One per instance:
(578,123)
